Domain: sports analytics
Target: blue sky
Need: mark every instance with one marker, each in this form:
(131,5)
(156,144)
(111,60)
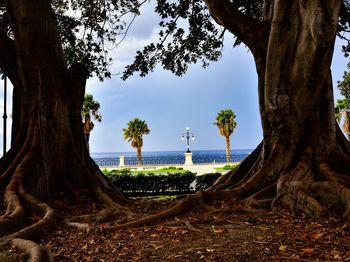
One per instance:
(169,104)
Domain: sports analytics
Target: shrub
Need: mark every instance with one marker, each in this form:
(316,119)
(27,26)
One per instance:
(158,184)
(154,183)
(114,172)
(206,180)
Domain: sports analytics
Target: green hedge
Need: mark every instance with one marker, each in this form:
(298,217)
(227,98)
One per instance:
(206,180)
(161,184)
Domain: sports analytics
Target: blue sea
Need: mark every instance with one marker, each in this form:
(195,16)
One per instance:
(169,157)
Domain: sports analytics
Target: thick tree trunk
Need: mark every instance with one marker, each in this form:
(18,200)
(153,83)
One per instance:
(48,155)
(228,150)
(87,141)
(303,159)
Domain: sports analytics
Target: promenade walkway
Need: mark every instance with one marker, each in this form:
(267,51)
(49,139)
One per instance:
(200,169)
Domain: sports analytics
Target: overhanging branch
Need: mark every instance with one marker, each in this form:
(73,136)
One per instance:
(247,29)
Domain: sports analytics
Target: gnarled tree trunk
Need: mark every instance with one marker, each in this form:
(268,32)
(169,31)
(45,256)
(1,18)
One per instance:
(48,155)
(302,162)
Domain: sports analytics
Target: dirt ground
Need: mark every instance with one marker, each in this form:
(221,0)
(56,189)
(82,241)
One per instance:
(228,237)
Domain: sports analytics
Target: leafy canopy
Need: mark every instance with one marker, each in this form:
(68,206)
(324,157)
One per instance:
(189,34)
(134,132)
(89,30)
(225,121)
(90,108)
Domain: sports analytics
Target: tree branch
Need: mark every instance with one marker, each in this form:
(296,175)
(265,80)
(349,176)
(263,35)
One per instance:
(247,29)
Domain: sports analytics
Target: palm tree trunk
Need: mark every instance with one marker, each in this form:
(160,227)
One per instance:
(228,151)
(139,157)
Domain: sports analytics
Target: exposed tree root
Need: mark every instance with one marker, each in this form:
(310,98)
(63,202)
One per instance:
(80,226)
(43,226)
(13,219)
(310,187)
(190,227)
(35,252)
(332,193)
(26,218)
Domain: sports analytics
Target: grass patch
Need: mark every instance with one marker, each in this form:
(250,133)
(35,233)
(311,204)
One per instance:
(165,170)
(226,167)
(161,170)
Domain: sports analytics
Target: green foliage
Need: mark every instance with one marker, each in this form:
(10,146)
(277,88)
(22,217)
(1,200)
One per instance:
(225,121)
(89,29)
(344,25)
(134,132)
(344,85)
(342,107)
(154,183)
(114,172)
(177,47)
(90,108)
(227,167)
(109,173)
(158,184)
(170,169)
(206,180)
(188,34)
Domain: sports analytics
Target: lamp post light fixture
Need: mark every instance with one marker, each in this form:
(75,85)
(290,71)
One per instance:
(188,135)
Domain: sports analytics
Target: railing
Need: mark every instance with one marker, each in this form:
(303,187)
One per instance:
(217,159)
(179,160)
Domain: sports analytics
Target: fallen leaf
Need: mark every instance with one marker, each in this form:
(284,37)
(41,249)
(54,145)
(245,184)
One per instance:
(282,247)
(308,250)
(296,257)
(317,235)
(264,228)
(259,238)
(337,256)
(218,230)
(156,247)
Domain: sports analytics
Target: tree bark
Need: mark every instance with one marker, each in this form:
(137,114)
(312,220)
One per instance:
(87,141)
(301,143)
(48,155)
(228,150)
(139,156)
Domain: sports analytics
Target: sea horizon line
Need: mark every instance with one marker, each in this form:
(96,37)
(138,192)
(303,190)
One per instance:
(194,150)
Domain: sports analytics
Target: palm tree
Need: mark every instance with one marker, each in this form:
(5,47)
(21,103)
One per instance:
(89,110)
(342,108)
(226,123)
(135,130)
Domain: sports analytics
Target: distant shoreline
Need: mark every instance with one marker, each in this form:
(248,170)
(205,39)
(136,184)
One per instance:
(174,151)
(169,157)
